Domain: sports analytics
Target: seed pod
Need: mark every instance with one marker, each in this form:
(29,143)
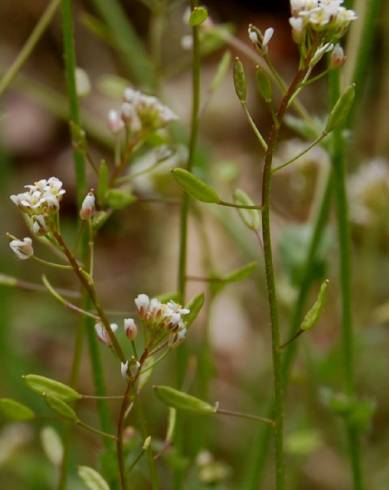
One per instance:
(182,401)
(92,479)
(195,187)
(313,314)
(240,83)
(61,407)
(198,16)
(50,387)
(263,84)
(341,109)
(13,410)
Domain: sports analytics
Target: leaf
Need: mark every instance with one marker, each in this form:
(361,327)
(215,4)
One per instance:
(119,198)
(198,16)
(61,407)
(14,410)
(240,83)
(221,71)
(92,479)
(182,401)
(194,306)
(51,387)
(313,314)
(264,84)
(52,445)
(250,217)
(195,187)
(341,109)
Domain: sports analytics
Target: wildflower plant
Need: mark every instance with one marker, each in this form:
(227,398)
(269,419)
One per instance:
(141,123)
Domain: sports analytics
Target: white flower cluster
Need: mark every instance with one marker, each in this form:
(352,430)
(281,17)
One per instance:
(369,193)
(139,112)
(39,201)
(325,18)
(163,316)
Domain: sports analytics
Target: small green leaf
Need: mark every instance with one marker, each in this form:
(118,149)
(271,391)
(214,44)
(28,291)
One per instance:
(264,84)
(102,186)
(119,198)
(241,273)
(182,401)
(240,83)
(52,445)
(194,306)
(99,219)
(198,16)
(221,71)
(92,479)
(250,217)
(13,410)
(50,387)
(341,109)
(195,187)
(61,407)
(313,314)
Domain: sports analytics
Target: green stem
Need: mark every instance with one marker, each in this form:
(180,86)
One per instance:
(239,206)
(29,45)
(344,238)
(247,416)
(182,354)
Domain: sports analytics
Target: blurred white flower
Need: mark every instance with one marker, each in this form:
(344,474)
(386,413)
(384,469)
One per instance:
(22,248)
(102,333)
(124,369)
(130,328)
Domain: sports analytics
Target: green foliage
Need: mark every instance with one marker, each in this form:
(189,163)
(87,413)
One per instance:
(198,16)
(194,306)
(250,217)
(313,314)
(119,198)
(341,110)
(92,479)
(240,83)
(264,85)
(61,407)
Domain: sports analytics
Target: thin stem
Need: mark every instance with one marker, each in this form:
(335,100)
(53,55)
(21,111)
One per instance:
(89,288)
(95,431)
(29,45)
(270,282)
(257,418)
(344,238)
(66,303)
(104,397)
(6,280)
(52,264)
(256,131)
(302,153)
(239,206)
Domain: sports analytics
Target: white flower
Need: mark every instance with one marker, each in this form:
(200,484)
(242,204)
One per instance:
(187,42)
(176,338)
(268,34)
(297,25)
(326,48)
(130,328)
(130,117)
(39,226)
(253,36)
(142,302)
(124,369)
(41,198)
(177,308)
(115,122)
(88,207)
(102,333)
(22,248)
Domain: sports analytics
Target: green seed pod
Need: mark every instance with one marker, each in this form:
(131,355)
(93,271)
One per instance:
(182,401)
(250,217)
(264,84)
(50,387)
(195,187)
(194,306)
(61,407)
(313,314)
(13,410)
(341,109)
(241,273)
(240,83)
(92,479)
(198,16)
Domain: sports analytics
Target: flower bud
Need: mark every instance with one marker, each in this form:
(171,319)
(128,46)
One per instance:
(338,57)
(22,248)
(268,34)
(39,226)
(115,122)
(102,333)
(88,207)
(130,328)
(124,369)
(133,366)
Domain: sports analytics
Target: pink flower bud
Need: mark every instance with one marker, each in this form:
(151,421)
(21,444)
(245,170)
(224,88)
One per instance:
(130,328)
(88,207)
